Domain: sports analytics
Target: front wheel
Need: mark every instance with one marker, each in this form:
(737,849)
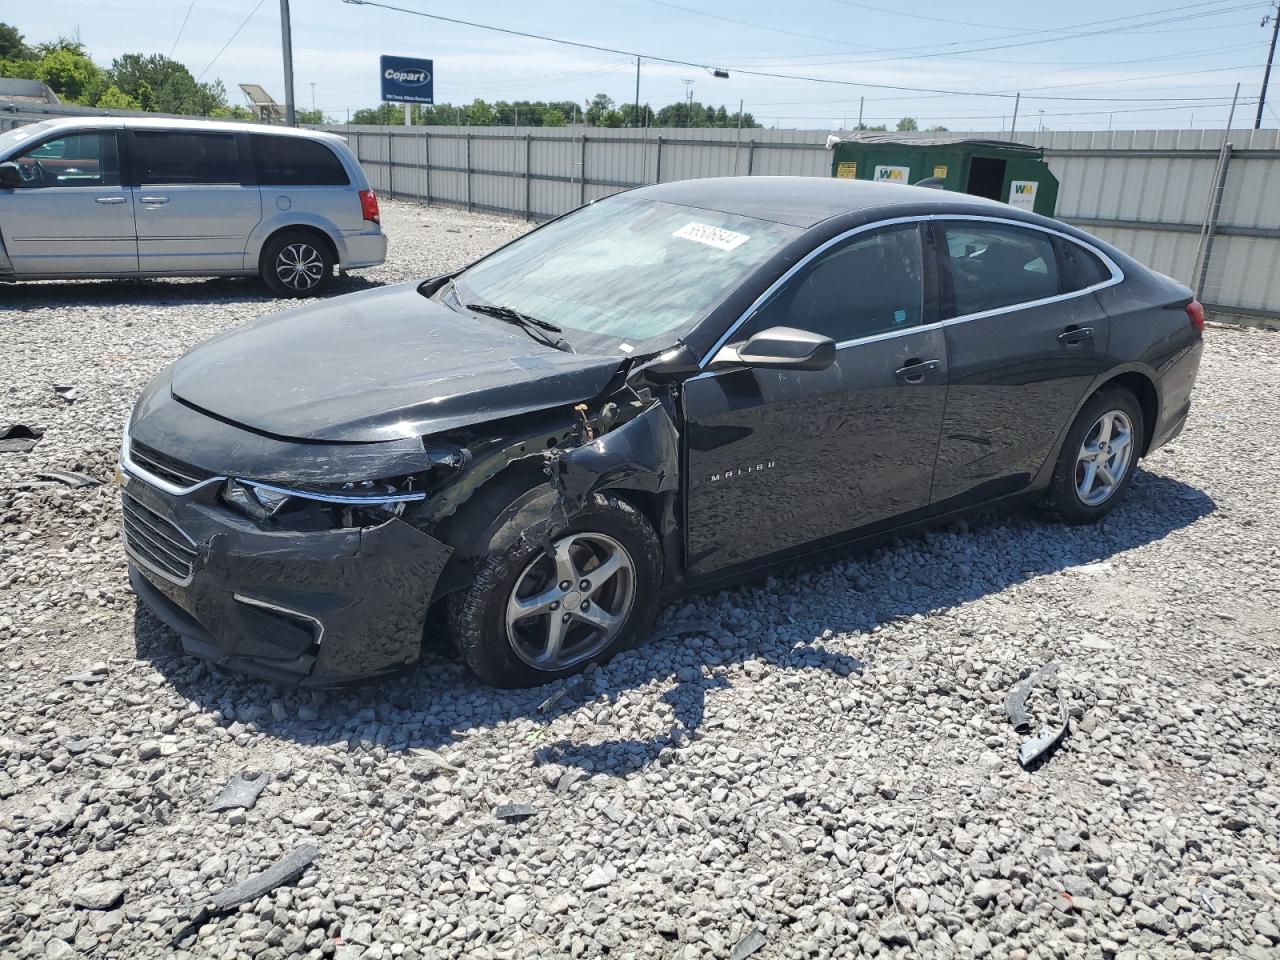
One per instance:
(296,264)
(534,614)
(1098,457)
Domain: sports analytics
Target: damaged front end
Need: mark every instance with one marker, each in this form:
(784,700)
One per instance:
(325,578)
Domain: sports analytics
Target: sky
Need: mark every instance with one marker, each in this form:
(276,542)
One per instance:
(1088,65)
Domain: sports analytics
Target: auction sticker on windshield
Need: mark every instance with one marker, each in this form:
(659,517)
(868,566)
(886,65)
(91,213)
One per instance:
(711,236)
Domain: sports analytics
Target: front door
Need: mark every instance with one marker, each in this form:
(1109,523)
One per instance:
(778,460)
(1025,339)
(194,212)
(71,216)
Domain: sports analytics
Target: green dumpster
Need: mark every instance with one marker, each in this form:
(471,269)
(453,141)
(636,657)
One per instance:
(1013,173)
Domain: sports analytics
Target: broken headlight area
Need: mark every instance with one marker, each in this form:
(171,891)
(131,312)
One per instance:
(350,505)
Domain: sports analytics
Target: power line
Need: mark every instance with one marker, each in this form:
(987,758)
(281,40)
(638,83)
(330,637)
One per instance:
(181,28)
(689,63)
(230,39)
(1067,33)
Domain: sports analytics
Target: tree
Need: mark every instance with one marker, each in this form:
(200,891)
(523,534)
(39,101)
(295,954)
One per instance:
(70,74)
(314,117)
(113,98)
(162,85)
(632,119)
(551,117)
(938,128)
(908,124)
(480,114)
(600,105)
(12,46)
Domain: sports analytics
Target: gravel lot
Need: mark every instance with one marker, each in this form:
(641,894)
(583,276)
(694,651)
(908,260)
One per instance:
(817,765)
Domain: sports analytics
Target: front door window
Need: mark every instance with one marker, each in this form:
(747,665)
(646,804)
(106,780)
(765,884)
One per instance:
(76,160)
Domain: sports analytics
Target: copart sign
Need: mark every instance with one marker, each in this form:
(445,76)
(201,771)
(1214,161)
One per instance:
(408,80)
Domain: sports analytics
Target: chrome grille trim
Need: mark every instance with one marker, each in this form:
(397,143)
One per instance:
(158,464)
(131,467)
(156,543)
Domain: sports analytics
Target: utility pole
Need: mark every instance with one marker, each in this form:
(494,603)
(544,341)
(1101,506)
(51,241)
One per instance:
(861,101)
(1014,125)
(313,96)
(635,116)
(1274,17)
(286,41)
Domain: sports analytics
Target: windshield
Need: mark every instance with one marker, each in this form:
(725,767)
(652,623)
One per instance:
(12,138)
(625,270)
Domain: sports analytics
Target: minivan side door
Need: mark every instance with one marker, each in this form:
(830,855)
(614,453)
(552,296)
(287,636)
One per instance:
(1025,339)
(71,216)
(196,201)
(781,459)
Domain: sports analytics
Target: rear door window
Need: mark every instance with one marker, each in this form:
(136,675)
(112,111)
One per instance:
(1081,268)
(179,157)
(293,161)
(78,160)
(997,265)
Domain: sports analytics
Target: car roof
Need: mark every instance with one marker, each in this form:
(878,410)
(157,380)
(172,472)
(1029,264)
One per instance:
(806,201)
(166,123)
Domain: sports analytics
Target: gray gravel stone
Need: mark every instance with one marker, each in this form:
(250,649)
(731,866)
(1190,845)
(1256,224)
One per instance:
(818,756)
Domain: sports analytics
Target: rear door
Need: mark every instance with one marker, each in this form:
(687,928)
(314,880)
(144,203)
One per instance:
(780,460)
(71,216)
(195,201)
(1025,339)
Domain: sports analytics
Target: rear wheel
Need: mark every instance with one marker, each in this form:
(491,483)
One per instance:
(296,264)
(535,613)
(1098,457)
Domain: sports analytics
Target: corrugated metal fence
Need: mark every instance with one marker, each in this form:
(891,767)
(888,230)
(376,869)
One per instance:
(1193,204)
(1199,205)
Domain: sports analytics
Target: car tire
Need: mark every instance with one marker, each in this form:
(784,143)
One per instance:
(501,643)
(296,263)
(1093,470)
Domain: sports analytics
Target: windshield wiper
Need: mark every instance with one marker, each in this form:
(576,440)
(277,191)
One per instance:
(531,325)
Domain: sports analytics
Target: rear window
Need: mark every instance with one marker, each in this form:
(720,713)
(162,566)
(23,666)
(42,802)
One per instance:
(163,157)
(292,161)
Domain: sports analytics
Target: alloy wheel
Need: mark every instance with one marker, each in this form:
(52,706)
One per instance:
(570,603)
(1104,458)
(299,266)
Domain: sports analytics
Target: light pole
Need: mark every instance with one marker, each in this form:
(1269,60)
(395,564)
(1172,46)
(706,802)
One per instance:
(286,42)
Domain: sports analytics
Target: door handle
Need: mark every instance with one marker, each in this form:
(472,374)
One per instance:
(915,369)
(1073,335)
(155,199)
(109,200)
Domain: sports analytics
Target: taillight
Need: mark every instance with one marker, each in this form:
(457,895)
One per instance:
(1195,310)
(369,206)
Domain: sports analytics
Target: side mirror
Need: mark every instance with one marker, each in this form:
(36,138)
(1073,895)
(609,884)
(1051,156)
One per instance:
(9,175)
(780,348)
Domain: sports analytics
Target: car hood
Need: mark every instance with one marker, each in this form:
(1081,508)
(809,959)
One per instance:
(382,364)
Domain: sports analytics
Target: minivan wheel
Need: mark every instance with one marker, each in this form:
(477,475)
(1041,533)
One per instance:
(534,614)
(1098,457)
(296,264)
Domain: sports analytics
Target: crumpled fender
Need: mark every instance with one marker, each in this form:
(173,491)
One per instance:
(643,454)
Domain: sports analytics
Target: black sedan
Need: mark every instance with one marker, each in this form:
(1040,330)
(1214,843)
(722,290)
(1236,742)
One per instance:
(663,391)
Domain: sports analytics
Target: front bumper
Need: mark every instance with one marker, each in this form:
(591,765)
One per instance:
(319,608)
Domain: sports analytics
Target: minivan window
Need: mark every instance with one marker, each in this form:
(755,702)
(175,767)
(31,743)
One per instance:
(993,265)
(77,160)
(292,161)
(172,157)
(871,284)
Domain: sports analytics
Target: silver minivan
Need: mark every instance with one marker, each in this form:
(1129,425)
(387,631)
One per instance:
(125,197)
